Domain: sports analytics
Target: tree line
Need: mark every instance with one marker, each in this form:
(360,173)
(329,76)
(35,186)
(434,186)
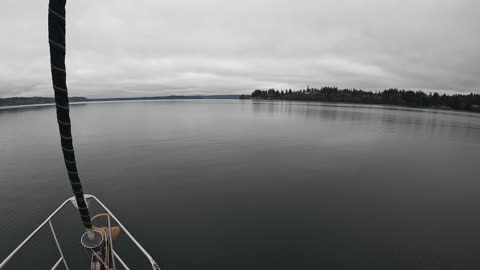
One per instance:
(393,96)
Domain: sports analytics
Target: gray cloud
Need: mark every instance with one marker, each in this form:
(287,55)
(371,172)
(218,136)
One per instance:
(147,47)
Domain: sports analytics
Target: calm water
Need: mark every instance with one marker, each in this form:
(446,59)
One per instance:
(252,185)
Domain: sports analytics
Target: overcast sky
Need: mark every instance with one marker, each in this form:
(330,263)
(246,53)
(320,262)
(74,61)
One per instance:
(162,47)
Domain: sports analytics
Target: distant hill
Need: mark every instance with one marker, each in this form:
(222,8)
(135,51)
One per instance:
(16,101)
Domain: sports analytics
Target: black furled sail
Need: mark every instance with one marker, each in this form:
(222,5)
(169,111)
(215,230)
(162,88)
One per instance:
(56,34)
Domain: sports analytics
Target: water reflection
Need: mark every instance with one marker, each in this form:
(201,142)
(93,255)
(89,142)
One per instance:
(415,121)
(239,184)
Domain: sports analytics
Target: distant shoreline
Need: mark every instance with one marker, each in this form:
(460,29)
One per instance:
(26,102)
(13,102)
(393,97)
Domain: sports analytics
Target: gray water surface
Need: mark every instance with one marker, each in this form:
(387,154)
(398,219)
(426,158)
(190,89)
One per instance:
(252,185)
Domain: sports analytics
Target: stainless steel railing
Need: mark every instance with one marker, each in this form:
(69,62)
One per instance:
(115,256)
